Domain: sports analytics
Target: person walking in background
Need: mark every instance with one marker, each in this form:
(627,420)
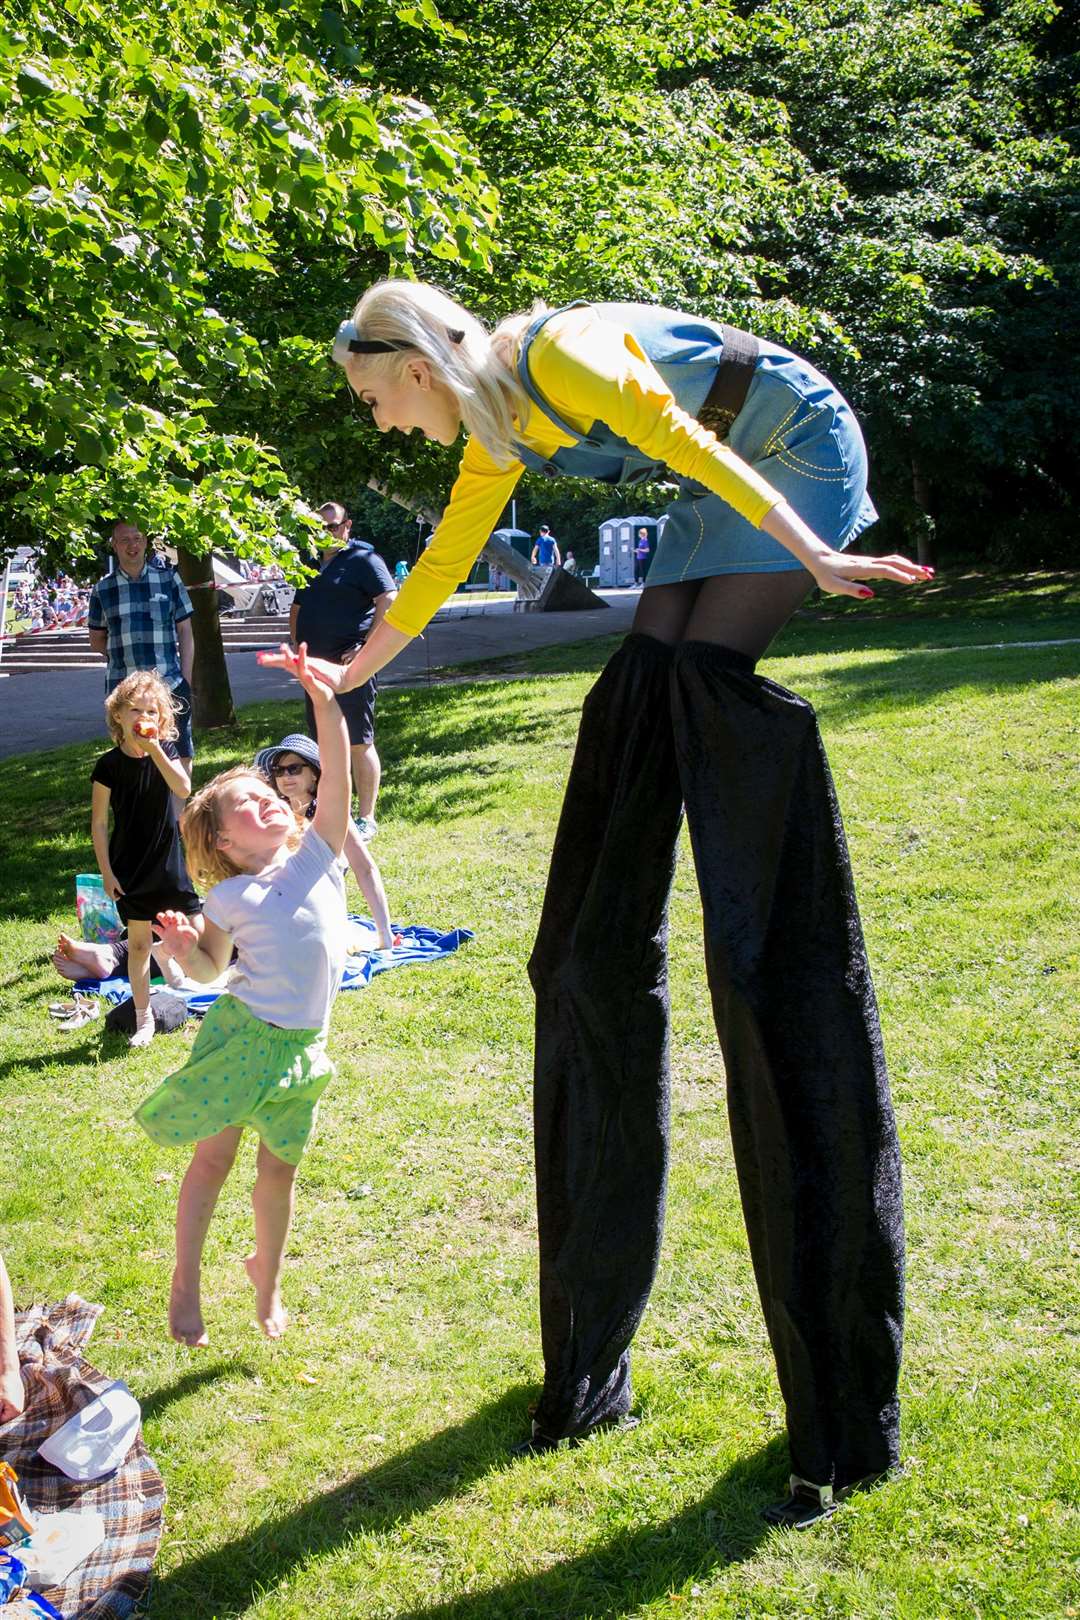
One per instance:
(334,615)
(570,563)
(546,550)
(401,572)
(139,617)
(641,556)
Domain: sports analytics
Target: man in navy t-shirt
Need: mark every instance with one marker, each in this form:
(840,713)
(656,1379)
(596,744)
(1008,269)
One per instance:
(546,550)
(335,614)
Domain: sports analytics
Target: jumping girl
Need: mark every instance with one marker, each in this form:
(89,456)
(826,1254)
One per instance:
(260,1058)
(142,865)
(772,474)
(293,769)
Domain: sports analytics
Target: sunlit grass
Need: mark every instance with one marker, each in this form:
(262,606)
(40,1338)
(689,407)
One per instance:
(362,1467)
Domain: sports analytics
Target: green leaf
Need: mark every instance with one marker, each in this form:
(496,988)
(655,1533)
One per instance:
(88,447)
(34,84)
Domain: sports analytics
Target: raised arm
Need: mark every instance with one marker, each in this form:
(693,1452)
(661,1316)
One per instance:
(171,769)
(335,784)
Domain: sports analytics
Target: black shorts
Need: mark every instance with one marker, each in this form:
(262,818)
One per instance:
(181,696)
(358,707)
(144,907)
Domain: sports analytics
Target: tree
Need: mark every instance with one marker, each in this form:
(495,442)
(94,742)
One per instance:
(145,151)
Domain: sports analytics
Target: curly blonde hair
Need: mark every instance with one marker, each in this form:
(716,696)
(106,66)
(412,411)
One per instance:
(200,826)
(142,683)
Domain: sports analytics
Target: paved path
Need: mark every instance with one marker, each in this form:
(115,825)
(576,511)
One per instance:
(46,708)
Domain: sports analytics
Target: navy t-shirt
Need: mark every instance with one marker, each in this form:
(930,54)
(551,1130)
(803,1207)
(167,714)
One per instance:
(336,609)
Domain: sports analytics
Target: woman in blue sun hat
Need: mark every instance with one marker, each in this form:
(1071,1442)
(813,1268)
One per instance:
(292,767)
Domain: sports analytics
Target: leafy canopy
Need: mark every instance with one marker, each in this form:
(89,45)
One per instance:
(148,147)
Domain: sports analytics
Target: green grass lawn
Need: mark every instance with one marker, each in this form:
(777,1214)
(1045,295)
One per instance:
(360,1468)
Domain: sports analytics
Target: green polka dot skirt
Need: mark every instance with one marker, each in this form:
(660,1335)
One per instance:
(242,1072)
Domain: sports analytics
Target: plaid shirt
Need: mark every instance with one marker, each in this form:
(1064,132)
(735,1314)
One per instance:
(140,616)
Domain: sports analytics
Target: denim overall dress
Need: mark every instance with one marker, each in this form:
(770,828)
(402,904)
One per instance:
(794,429)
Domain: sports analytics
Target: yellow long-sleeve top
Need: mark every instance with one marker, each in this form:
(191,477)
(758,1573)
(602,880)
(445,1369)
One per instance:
(591,370)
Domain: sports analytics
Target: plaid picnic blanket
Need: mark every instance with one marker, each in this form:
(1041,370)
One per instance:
(114,1580)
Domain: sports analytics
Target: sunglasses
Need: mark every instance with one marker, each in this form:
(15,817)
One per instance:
(289,770)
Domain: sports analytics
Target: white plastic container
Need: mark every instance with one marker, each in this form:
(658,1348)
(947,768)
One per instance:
(97,1439)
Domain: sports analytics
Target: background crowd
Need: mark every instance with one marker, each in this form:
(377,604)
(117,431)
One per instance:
(50,604)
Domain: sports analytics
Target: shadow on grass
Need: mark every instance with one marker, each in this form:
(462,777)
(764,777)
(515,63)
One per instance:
(82,1056)
(158,1400)
(615,1578)
(908,681)
(436,748)
(623,1575)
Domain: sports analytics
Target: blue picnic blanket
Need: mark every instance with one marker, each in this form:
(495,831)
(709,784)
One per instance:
(418,946)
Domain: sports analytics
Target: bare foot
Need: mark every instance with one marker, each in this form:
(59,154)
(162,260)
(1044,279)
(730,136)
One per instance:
(144,1027)
(270,1314)
(78,959)
(186,1324)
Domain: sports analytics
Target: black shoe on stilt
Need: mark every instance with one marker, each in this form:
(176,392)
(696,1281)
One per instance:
(538,1443)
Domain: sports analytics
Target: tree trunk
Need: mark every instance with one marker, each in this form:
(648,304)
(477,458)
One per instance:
(211,694)
(529,580)
(926,528)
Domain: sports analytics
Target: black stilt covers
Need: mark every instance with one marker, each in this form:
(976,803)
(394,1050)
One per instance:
(812,1126)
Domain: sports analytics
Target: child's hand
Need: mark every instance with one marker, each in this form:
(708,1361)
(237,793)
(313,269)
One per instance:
(12,1395)
(312,673)
(287,658)
(177,933)
(144,737)
(111,886)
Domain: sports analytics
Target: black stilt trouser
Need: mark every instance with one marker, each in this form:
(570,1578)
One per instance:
(812,1127)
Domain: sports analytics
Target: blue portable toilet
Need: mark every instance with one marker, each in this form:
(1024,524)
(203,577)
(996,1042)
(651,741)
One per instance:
(522,542)
(617,539)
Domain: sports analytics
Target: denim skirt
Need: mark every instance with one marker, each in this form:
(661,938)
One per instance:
(801,435)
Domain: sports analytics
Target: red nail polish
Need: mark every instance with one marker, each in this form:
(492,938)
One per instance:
(866,594)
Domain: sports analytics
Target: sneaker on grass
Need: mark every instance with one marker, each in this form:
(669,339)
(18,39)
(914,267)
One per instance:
(367,827)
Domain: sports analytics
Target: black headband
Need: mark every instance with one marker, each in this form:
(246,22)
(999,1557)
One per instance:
(348,341)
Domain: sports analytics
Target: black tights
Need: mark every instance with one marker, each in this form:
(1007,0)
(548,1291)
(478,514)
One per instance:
(742,611)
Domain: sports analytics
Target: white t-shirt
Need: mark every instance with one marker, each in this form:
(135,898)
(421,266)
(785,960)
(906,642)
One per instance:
(288,927)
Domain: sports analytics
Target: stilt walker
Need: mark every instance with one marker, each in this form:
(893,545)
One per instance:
(772,475)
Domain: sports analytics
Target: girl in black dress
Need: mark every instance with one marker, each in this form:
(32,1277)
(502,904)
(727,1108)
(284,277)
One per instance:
(142,865)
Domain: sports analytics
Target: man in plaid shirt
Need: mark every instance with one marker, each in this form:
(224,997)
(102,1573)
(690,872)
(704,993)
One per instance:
(140,618)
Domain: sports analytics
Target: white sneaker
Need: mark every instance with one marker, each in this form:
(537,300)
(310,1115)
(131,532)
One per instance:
(367,827)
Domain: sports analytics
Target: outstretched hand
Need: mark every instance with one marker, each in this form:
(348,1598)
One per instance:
(841,573)
(320,679)
(177,933)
